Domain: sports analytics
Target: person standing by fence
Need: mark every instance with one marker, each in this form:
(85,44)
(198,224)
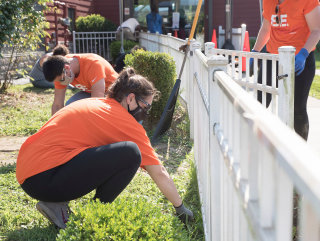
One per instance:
(292,23)
(154,20)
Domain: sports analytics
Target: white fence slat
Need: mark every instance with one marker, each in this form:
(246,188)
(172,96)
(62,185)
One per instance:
(310,224)
(284,203)
(264,81)
(266,188)
(286,84)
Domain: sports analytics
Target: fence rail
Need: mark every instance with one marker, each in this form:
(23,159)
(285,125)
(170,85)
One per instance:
(248,161)
(93,42)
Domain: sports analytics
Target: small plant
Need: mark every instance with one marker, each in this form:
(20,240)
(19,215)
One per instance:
(94,23)
(159,68)
(116,45)
(127,218)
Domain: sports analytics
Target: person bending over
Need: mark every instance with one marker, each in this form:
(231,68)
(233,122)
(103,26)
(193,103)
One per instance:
(90,73)
(37,77)
(94,143)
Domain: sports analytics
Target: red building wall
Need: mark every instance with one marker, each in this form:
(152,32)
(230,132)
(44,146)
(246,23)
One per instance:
(59,9)
(109,9)
(244,11)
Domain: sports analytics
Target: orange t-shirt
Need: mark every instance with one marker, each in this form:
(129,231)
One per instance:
(92,69)
(81,125)
(293,29)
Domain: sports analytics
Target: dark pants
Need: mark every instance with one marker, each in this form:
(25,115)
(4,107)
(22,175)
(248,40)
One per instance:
(108,169)
(301,92)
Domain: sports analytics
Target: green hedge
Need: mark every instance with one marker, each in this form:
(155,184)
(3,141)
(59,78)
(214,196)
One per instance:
(116,45)
(127,219)
(94,23)
(159,68)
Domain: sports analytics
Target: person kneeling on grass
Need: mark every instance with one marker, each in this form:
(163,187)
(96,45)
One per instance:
(94,143)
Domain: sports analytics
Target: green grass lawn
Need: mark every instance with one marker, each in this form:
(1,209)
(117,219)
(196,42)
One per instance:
(24,109)
(317,57)
(315,87)
(140,212)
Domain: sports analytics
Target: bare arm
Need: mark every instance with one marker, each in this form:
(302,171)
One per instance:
(263,35)
(313,22)
(58,101)
(164,182)
(98,89)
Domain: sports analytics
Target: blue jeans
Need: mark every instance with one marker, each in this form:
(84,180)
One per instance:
(78,96)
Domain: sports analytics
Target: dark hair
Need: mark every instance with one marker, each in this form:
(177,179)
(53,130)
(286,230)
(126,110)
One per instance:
(53,67)
(60,49)
(154,8)
(130,82)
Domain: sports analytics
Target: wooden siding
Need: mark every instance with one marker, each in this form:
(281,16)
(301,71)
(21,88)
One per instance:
(109,9)
(81,7)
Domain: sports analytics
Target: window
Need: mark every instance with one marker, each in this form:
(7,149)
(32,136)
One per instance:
(72,16)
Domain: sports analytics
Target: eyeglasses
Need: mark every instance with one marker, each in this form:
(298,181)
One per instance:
(148,106)
(278,18)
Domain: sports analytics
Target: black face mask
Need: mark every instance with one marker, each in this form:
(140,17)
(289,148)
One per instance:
(138,113)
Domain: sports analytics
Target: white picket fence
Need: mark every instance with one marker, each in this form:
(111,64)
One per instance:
(93,42)
(248,160)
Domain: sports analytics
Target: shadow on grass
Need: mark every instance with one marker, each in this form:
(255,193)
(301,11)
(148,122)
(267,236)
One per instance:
(45,91)
(34,233)
(7,168)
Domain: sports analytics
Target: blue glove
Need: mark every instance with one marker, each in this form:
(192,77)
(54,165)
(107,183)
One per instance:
(300,61)
(251,62)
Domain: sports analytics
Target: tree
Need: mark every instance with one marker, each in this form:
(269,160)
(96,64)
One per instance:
(22,25)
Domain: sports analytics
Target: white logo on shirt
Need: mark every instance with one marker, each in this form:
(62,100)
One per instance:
(81,87)
(283,22)
(93,79)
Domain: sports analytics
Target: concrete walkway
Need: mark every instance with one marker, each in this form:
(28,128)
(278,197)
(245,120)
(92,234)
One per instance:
(313,108)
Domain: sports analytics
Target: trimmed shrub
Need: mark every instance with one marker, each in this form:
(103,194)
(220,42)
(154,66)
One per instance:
(94,23)
(116,45)
(159,68)
(127,218)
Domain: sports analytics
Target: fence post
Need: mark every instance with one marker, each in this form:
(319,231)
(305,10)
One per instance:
(214,218)
(74,41)
(194,45)
(286,84)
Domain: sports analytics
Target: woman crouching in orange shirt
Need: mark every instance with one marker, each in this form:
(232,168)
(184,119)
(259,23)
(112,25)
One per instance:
(94,143)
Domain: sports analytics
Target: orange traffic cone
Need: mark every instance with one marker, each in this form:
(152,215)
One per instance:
(176,33)
(214,38)
(246,47)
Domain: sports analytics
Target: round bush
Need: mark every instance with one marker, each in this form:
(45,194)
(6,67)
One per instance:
(159,68)
(116,45)
(125,219)
(94,23)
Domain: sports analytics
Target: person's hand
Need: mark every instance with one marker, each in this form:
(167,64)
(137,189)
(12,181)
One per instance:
(184,214)
(251,62)
(300,61)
